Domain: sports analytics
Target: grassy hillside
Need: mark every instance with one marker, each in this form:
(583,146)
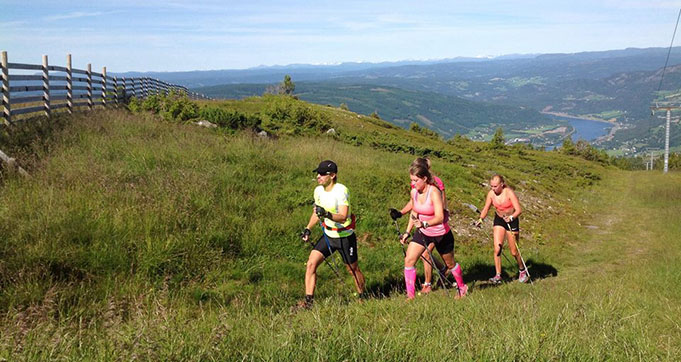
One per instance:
(141,238)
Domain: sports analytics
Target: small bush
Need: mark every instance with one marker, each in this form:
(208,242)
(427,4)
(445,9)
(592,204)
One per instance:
(229,118)
(414,127)
(497,141)
(172,107)
(290,116)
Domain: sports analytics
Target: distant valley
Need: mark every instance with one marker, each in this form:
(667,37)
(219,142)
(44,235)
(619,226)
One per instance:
(473,96)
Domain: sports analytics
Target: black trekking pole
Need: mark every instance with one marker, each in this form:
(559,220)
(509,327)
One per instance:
(441,277)
(335,271)
(397,229)
(328,245)
(399,235)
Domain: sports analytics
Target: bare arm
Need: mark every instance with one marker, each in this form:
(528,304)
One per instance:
(488,204)
(342,214)
(313,220)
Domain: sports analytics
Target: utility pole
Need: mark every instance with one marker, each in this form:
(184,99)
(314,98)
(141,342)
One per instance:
(667,107)
(650,163)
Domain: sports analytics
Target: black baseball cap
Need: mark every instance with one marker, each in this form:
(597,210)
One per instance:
(326,167)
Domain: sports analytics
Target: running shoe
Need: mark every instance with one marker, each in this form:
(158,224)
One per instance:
(462,291)
(302,305)
(427,288)
(523,276)
(495,279)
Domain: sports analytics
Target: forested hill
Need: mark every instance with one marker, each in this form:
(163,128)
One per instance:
(447,115)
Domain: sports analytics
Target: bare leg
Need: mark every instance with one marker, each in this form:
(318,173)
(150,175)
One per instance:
(313,262)
(512,237)
(449,260)
(357,276)
(499,234)
(414,251)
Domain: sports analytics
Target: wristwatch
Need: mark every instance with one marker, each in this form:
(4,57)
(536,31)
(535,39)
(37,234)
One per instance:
(425,224)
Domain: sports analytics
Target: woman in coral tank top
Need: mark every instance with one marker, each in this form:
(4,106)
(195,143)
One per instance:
(506,219)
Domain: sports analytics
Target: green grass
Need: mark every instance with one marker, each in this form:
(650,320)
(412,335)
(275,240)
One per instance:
(140,238)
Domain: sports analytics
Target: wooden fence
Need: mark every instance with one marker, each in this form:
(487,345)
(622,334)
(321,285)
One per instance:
(58,87)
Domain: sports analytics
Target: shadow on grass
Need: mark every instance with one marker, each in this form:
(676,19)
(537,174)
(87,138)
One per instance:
(392,285)
(478,274)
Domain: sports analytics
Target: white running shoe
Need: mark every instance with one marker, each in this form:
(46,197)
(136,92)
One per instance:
(523,276)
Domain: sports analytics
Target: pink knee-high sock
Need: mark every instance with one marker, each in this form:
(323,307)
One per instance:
(456,272)
(410,280)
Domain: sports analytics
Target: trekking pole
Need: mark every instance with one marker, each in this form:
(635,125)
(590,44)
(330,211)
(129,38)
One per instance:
(519,253)
(441,277)
(432,265)
(328,245)
(399,235)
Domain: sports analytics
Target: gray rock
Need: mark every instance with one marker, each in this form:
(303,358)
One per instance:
(206,124)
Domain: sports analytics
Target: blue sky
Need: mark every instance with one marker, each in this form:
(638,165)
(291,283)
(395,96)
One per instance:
(151,35)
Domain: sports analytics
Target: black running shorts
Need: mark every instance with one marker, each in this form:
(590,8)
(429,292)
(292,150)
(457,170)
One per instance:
(515,224)
(346,246)
(443,243)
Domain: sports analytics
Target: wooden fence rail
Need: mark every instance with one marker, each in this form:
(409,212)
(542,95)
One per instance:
(54,87)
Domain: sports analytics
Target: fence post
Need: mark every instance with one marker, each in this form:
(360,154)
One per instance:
(46,87)
(104,87)
(124,96)
(144,87)
(69,84)
(89,86)
(6,107)
(115,91)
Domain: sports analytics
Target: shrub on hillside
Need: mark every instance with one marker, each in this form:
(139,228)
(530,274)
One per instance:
(179,109)
(287,115)
(172,107)
(497,141)
(134,105)
(229,118)
(414,127)
(584,150)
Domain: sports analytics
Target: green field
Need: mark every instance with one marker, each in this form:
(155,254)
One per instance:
(140,238)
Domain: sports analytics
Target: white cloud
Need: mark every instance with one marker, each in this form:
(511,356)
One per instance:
(73,15)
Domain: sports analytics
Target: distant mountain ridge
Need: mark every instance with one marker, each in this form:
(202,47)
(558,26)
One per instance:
(631,59)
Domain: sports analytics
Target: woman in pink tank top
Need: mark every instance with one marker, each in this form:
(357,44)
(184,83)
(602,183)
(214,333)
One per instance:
(428,217)
(506,220)
(396,214)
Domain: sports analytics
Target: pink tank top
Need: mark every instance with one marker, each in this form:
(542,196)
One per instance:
(426,211)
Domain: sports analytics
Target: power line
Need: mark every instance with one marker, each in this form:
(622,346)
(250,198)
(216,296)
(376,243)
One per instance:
(669,52)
